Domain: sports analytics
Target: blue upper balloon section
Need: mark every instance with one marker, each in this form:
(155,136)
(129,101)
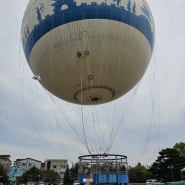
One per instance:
(67,11)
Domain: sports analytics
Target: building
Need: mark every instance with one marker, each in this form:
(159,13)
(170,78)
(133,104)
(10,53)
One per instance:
(5,162)
(26,164)
(13,174)
(20,166)
(57,165)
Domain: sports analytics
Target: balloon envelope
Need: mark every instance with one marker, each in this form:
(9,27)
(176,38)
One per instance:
(88,52)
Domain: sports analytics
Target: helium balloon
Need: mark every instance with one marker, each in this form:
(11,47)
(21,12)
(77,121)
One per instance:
(88,51)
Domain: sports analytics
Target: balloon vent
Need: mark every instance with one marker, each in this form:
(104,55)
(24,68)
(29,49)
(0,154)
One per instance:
(94,95)
(94,98)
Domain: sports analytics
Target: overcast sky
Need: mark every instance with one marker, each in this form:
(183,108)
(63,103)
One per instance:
(149,118)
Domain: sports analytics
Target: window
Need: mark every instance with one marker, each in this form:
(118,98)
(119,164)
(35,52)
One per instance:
(63,167)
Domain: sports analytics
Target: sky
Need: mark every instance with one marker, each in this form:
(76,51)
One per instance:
(148,119)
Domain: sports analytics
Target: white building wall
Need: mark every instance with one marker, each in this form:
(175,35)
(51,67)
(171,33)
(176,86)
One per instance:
(57,165)
(27,164)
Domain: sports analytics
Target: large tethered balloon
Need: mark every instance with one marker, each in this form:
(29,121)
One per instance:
(88,51)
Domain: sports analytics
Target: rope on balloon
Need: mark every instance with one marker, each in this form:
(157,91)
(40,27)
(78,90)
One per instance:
(82,121)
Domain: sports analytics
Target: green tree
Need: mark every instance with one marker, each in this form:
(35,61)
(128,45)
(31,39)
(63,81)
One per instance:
(67,177)
(168,165)
(139,174)
(71,174)
(180,147)
(49,176)
(3,175)
(74,172)
(35,175)
(31,175)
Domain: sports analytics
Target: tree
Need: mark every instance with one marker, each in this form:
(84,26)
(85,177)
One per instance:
(67,177)
(138,174)
(31,175)
(49,176)
(3,175)
(35,175)
(180,147)
(168,165)
(71,174)
(74,172)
